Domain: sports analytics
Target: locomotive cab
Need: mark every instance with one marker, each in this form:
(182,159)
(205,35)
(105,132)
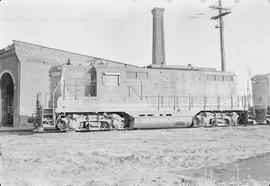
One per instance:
(72,81)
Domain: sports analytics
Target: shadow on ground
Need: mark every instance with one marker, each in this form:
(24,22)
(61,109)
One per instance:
(256,168)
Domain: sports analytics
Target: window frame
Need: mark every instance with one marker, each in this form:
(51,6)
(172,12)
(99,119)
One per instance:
(118,75)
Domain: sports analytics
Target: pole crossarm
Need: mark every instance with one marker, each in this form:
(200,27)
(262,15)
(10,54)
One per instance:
(220,15)
(220,8)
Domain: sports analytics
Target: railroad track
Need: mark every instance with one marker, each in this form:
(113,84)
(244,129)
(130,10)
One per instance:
(54,130)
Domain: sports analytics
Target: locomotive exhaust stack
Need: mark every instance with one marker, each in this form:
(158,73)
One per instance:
(158,49)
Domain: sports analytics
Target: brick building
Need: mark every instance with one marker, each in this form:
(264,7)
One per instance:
(24,71)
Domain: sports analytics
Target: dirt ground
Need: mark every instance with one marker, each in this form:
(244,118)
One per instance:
(139,157)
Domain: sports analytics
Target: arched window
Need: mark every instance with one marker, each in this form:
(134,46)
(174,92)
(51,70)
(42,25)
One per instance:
(7,99)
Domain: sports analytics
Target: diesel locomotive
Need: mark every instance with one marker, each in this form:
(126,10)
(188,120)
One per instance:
(261,98)
(100,96)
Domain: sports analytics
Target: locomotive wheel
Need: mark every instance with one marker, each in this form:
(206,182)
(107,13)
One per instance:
(228,122)
(60,124)
(220,122)
(196,122)
(105,125)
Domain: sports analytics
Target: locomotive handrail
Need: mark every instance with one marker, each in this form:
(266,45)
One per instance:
(53,107)
(222,102)
(205,102)
(157,102)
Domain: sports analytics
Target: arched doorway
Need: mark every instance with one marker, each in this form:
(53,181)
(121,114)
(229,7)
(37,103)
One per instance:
(7,99)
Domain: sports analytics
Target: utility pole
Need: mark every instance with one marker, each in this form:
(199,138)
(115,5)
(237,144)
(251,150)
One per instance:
(221,12)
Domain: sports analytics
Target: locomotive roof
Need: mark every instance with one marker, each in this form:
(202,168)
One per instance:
(176,67)
(164,67)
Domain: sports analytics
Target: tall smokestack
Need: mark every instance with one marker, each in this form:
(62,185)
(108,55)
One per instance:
(158,55)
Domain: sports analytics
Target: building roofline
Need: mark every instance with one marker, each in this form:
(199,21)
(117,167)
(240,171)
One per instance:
(8,48)
(41,46)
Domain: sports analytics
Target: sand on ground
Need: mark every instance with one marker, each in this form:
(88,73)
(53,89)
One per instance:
(138,157)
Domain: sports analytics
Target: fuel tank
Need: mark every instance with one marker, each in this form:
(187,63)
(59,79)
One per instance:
(162,122)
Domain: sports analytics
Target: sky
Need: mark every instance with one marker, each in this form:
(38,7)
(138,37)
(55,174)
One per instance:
(121,30)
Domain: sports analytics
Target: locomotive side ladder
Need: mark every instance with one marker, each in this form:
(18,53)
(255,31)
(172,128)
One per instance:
(47,118)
